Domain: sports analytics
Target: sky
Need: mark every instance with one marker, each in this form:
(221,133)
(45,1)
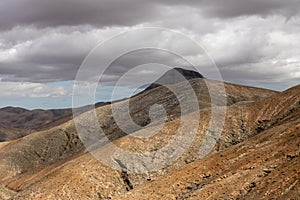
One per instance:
(43,43)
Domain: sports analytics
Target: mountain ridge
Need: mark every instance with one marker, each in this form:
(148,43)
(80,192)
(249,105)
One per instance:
(248,121)
(54,147)
(16,122)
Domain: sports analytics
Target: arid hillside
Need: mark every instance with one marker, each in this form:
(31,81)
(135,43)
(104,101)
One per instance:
(256,156)
(266,166)
(53,164)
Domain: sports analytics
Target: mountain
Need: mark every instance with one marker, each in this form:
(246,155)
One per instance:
(18,122)
(173,76)
(256,157)
(20,118)
(54,163)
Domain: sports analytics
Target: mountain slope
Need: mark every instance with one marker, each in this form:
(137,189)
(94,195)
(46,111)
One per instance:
(58,143)
(277,115)
(265,167)
(18,122)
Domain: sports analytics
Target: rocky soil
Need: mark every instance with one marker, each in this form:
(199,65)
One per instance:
(255,157)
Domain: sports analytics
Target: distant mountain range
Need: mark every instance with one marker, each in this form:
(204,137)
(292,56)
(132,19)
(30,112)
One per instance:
(20,118)
(18,122)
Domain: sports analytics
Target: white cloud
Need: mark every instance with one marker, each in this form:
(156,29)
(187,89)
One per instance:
(33,90)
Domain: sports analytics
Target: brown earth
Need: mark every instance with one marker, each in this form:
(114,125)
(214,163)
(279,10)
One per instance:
(265,167)
(52,164)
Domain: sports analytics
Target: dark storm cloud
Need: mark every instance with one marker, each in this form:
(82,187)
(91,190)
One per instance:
(44,55)
(75,12)
(262,75)
(103,13)
(235,8)
(32,72)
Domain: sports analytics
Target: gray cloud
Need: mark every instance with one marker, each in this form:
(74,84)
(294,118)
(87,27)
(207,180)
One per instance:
(48,40)
(74,12)
(235,8)
(103,13)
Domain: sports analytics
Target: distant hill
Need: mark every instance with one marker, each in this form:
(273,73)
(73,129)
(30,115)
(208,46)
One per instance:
(4,133)
(20,118)
(18,122)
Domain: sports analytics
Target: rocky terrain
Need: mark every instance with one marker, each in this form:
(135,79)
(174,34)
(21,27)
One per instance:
(256,156)
(266,166)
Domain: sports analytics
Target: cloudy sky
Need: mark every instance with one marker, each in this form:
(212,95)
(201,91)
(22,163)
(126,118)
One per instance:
(43,43)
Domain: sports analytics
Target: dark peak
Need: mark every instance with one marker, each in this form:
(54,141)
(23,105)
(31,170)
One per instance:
(11,109)
(175,75)
(188,74)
